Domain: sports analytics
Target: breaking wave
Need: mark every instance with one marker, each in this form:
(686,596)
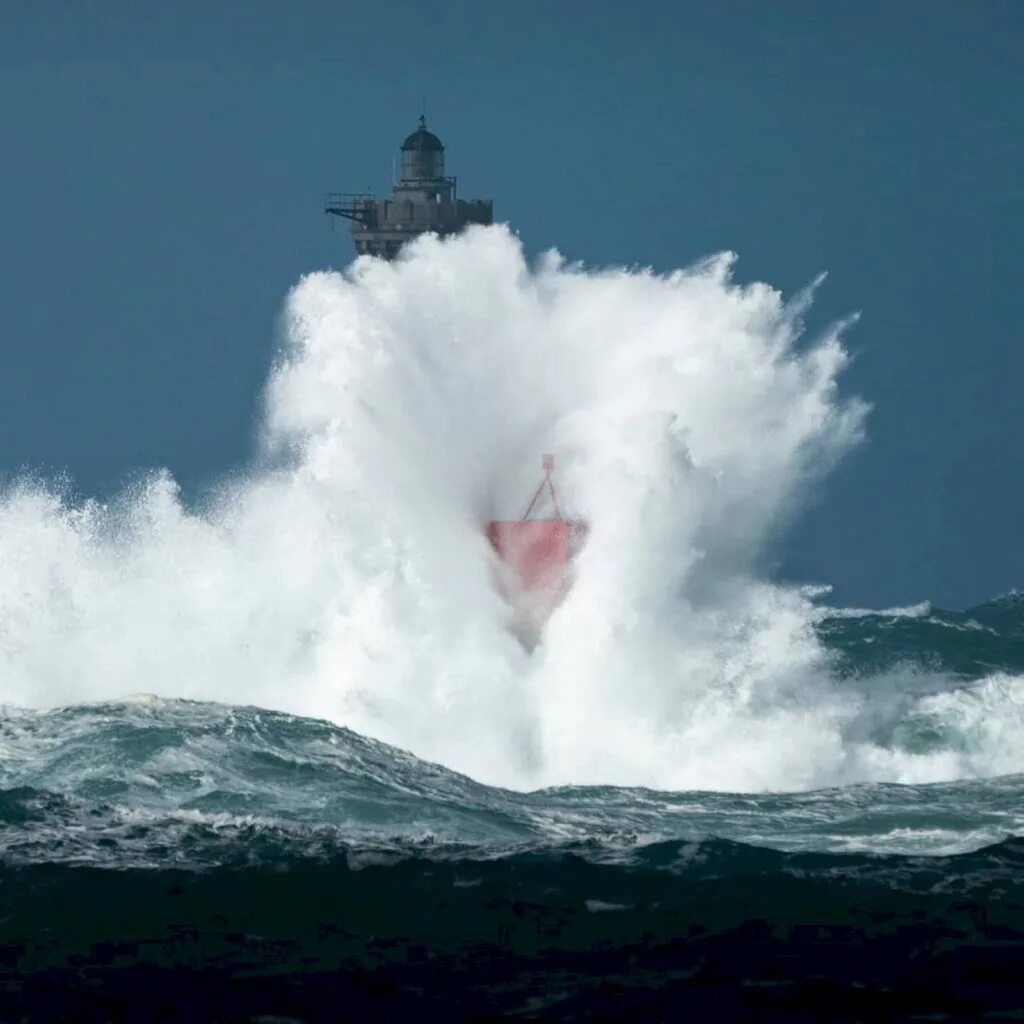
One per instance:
(347,576)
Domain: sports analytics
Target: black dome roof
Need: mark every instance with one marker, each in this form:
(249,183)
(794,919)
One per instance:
(421,140)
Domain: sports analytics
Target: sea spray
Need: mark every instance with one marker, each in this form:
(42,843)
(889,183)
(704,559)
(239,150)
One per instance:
(348,576)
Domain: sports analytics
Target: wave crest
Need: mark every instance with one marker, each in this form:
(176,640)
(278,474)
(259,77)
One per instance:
(348,576)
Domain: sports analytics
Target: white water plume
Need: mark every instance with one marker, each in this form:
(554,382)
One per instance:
(350,578)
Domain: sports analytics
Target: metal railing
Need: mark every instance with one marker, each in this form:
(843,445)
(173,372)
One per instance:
(349,204)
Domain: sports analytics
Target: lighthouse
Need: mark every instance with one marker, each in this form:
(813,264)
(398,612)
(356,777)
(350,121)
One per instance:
(423,199)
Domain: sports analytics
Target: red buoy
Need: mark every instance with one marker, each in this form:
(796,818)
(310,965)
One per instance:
(535,550)
(537,553)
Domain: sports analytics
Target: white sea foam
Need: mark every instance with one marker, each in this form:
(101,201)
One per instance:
(912,611)
(348,577)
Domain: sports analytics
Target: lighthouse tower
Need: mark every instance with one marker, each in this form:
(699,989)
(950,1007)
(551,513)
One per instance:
(423,199)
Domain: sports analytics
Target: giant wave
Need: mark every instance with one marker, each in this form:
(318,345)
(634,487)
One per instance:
(346,576)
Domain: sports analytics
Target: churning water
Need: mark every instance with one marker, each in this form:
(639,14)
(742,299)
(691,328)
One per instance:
(282,753)
(347,578)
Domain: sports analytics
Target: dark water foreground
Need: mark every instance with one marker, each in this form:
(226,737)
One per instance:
(709,931)
(165,860)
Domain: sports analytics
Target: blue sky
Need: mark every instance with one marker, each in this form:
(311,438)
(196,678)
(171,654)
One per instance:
(161,184)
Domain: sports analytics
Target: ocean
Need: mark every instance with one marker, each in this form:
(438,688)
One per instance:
(276,753)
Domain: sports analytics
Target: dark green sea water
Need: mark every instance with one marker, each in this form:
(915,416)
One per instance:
(121,822)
